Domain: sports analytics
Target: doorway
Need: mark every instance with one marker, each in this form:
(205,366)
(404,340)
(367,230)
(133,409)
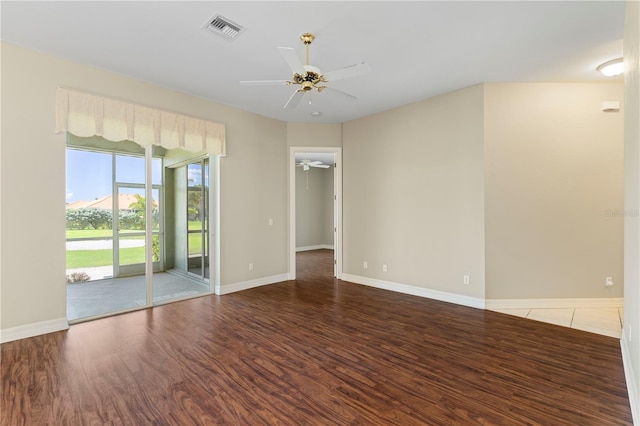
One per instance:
(297,166)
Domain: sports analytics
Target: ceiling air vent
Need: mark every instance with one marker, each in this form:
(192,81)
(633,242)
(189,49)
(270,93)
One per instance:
(224,27)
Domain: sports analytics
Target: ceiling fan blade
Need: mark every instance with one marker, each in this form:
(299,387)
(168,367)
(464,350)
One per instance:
(294,100)
(340,93)
(322,166)
(263,82)
(354,70)
(292,59)
(311,163)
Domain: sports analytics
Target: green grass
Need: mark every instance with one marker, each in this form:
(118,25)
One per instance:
(92,233)
(88,233)
(195,225)
(195,243)
(94,258)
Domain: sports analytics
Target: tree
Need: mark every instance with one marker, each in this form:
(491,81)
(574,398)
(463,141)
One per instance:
(194,199)
(140,205)
(139,209)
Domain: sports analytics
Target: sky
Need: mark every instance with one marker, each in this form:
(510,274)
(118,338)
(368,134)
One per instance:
(89,173)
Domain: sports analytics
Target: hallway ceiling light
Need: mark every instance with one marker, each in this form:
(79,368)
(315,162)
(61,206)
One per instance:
(612,68)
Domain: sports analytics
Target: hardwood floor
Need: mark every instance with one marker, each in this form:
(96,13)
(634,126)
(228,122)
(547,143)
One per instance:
(315,351)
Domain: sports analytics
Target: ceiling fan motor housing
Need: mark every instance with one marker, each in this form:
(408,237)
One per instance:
(307,38)
(309,80)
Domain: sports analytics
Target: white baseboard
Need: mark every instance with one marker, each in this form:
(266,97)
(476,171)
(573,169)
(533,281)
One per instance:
(553,303)
(31,330)
(245,285)
(318,247)
(632,385)
(442,296)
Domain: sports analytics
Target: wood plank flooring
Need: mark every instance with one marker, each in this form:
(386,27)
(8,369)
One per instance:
(315,351)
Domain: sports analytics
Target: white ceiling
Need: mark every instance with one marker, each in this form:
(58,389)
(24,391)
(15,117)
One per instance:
(415,49)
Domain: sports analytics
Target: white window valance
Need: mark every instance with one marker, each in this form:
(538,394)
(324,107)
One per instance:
(86,115)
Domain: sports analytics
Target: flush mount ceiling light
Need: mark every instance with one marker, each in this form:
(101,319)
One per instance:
(612,68)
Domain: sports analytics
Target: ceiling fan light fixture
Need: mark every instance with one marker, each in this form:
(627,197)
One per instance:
(309,77)
(612,68)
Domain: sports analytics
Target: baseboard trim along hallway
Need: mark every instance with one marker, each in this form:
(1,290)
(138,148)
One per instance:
(443,296)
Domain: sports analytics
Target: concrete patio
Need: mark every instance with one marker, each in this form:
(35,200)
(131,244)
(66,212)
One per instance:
(92,298)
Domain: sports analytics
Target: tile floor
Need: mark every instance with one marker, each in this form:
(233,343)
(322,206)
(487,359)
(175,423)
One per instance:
(606,321)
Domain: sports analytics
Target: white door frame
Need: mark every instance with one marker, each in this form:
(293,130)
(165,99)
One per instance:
(337,190)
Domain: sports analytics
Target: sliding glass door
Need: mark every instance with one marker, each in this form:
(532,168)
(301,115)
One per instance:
(198,218)
(115,260)
(106,231)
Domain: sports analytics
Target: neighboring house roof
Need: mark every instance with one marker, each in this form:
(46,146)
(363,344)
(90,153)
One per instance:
(106,202)
(78,204)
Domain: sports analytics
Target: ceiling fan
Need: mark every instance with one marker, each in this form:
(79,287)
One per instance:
(307,164)
(309,77)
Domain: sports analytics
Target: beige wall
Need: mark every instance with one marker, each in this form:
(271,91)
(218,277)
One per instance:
(314,207)
(314,134)
(553,191)
(631,335)
(531,173)
(33,158)
(254,179)
(413,194)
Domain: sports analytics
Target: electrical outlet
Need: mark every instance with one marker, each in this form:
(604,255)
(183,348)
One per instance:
(270,221)
(608,282)
(384,268)
(365,265)
(251,266)
(465,279)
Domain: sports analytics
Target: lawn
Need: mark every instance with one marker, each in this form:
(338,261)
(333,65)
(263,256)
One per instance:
(94,258)
(95,233)
(104,257)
